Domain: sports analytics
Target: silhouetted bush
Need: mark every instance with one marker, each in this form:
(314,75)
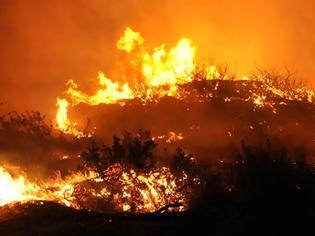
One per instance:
(30,123)
(133,151)
(264,187)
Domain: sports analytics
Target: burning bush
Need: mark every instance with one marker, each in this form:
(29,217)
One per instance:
(130,175)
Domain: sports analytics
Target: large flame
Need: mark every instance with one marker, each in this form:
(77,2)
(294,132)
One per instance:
(161,71)
(12,190)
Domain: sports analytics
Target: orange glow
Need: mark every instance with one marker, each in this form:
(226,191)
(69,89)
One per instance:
(20,189)
(14,189)
(151,191)
(142,192)
(110,92)
(169,68)
(171,137)
(161,72)
(129,40)
(62,114)
(63,122)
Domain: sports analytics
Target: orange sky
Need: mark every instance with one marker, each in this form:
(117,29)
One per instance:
(46,43)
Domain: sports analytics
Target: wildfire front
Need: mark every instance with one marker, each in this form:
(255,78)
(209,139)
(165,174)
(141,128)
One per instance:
(161,143)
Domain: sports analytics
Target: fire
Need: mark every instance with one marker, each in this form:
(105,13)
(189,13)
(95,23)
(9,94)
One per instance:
(169,69)
(63,121)
(129,40)
(20,189)
(138,192)
(109,93)
(14,189)
(151,191)
(62,114)
(161,72)
(171,137)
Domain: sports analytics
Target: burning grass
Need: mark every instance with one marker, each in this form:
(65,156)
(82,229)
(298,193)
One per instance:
(233,175)
(162,72)
(134,174)
(126,176)
(264,190)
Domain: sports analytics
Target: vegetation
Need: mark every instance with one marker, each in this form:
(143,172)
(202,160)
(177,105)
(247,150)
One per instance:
(267,188)
(132,164)
(136,152)
(264,191)
(29,140)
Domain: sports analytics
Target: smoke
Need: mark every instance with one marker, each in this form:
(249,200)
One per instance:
(46,43)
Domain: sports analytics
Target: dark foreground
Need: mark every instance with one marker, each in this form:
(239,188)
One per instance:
(52,219)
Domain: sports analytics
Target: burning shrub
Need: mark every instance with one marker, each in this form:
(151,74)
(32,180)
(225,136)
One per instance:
(129,175)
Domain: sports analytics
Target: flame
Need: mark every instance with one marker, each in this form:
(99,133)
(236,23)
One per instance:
(62,114)
(160,72)
(20,189)
(63,122)
(169,69)
(151,191)
(138,192)
(129,40)
(12,190)
(109,93)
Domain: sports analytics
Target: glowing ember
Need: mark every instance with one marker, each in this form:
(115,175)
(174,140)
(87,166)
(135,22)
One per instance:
(171,137)
(152,191)
(137,192)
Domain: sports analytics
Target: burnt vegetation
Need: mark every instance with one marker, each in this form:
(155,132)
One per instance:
(261,183)
(264,190)
(135,157)
(30,141)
